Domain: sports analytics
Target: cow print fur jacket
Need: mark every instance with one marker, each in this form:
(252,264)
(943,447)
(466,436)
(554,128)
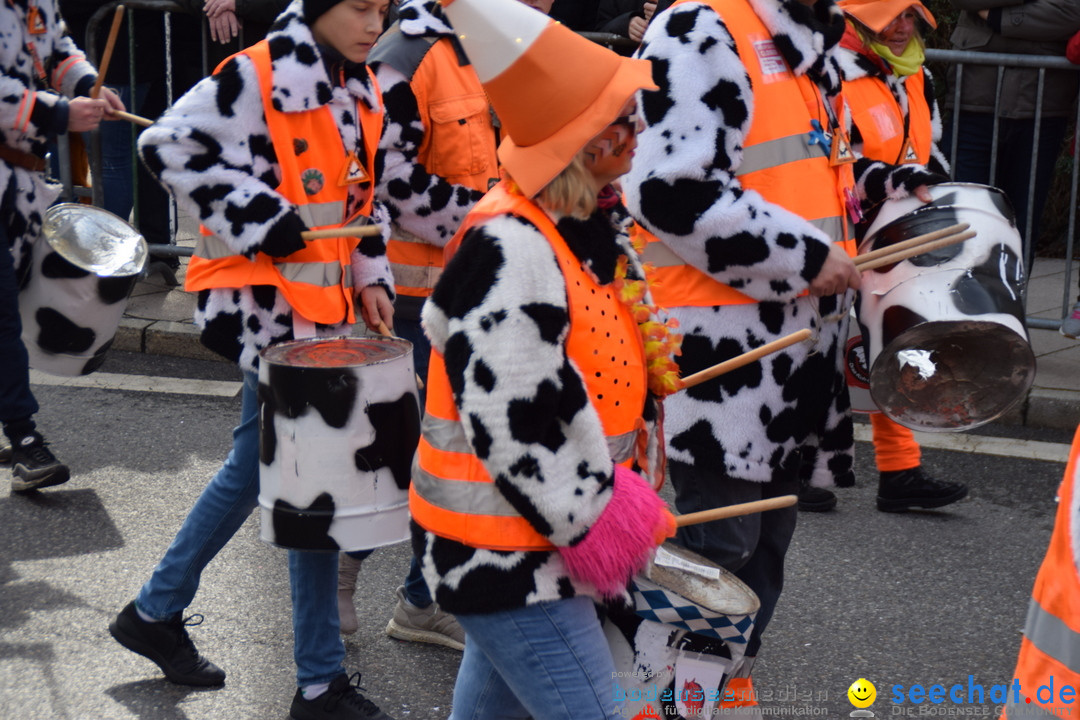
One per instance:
(212,151)
(500,317)
(763,421)
(855,65)
(33,111)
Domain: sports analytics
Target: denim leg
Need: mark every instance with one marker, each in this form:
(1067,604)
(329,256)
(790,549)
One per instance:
(219,512)
(416,590)
(317,646)
(548,661)
(16,400)
(118,154)
(752,547)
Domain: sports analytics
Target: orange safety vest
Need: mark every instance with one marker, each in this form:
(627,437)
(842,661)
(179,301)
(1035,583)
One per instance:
(1049,658)
(876,112)
(459,145)
(452,494)
(316,279)
(777,162)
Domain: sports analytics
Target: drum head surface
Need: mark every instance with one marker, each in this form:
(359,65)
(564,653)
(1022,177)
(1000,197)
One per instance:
(95,240)
(336,352)
(700,581)
(952,376)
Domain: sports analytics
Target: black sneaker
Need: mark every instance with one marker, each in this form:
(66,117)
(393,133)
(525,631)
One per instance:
(815,499)
(343,701)
(902,490)
(5,449)
(34,466)
(167,644)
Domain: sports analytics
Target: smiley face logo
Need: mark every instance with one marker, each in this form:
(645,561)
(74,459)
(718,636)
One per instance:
(862,693)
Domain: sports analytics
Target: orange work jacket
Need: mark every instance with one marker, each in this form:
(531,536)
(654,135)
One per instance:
(877,114)
(316,280)
(459,146)
(778,162)
(1051,644)
(452,494)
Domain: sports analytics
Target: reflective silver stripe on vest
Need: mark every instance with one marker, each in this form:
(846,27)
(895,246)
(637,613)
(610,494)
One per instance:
(318,214)
(321,274)
(449,436)
(412,276)
(1053,637)
(471,497)
(780,151)
(329,274)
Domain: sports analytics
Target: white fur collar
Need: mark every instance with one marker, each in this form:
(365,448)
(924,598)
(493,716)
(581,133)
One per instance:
(423,18)
(787,19)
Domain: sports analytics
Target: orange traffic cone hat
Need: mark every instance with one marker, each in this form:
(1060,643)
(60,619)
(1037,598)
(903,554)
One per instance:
(877,14)
(552,89)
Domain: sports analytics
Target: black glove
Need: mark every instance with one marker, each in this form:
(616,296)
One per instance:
(283,238)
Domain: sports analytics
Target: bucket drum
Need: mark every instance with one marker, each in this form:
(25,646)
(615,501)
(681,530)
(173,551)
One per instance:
(339,422)
(944,331)
(83,266)
(685,637)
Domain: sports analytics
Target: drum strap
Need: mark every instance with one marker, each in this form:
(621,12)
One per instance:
(25,160)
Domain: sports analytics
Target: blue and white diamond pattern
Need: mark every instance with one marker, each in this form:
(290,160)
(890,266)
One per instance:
(658,604)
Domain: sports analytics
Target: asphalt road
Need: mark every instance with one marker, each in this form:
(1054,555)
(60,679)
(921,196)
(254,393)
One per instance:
(901,600)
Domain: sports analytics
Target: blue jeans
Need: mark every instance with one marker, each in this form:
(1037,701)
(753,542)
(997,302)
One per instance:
(219,512)
(118,154)
(416,590)
(548,661)
(752,547)
(1013,171)
(16,400)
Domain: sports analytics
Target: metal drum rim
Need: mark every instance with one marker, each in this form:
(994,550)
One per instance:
(141,250)
(266,355)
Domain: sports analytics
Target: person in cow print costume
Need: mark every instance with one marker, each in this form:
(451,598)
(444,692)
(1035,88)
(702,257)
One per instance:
(743,178)
(44,84)
(242,162)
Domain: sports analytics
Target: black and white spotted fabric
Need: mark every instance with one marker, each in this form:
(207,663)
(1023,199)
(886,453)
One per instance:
(759,421)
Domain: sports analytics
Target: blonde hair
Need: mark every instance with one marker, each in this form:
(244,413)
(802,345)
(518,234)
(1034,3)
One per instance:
(572,192)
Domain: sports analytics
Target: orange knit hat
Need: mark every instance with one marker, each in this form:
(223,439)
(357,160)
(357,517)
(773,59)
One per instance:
(877,14)
(553,90)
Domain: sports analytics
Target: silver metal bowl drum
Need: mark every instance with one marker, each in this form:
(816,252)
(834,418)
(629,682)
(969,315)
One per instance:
(83,267)
(339,422)
(945,336)
(686,636)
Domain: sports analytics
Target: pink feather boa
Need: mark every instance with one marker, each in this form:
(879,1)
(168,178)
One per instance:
(621,540)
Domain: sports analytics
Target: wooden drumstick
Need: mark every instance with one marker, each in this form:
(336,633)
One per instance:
(913,251)
(103,66)
(137,119)
(336,232)
(730,511)
(387,332)
(911,242)
(744,359)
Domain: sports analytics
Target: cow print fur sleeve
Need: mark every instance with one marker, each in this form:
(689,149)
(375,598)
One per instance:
(683,185)
(500,318)
(212,151)
(877,182)
(420,202)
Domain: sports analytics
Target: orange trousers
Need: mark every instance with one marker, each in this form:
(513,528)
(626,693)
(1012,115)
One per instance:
(894,445)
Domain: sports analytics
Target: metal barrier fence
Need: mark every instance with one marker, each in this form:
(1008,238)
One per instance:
(960,59)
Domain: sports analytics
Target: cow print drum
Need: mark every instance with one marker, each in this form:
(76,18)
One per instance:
(83,267)
(686,636)
(339,424)
(945,335)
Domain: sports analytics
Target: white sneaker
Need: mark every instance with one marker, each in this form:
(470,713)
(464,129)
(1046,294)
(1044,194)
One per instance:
(1070,326)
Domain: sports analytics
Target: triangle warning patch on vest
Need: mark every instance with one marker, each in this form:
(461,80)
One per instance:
(353,172)
(907,153)
(841,153)
(35,23)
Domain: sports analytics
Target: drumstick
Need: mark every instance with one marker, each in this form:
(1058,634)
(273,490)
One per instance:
(912,252)
(911,242)
(137,119)
(744,359)
(729,511)
(103,66)
(353,231)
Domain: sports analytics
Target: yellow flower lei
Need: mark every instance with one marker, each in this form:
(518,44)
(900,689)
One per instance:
(662,343)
